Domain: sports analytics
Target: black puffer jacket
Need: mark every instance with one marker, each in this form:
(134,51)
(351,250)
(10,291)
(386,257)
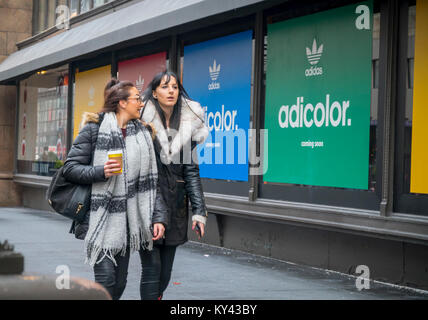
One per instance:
(78,168)
(179,183)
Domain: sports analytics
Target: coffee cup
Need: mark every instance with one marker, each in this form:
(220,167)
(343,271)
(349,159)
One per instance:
(116,155)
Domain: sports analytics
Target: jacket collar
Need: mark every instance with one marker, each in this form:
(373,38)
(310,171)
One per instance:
(192,128)
(88,117)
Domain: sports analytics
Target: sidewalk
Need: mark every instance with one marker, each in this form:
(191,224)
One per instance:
(201,272)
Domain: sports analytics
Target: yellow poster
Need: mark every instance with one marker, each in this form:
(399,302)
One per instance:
(419,158)
(89,93)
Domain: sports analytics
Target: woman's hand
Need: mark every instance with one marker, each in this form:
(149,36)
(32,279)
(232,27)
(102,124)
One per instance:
(158,231)
(110,166)
(199,228)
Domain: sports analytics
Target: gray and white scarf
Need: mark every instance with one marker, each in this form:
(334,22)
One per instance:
(125,199)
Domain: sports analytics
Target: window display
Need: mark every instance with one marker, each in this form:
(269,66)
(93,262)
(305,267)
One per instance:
(319,96)
(43,122)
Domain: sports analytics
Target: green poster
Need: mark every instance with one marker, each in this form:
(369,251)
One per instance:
(318,88)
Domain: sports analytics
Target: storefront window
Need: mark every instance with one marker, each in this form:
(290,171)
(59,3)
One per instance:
(217,74)
(411,171)
(322,98)
(88,93)
(43,122)
(416,115)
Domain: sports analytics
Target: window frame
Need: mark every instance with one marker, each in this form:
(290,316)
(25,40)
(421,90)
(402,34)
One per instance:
(406,203)
(340,197)
(232,26)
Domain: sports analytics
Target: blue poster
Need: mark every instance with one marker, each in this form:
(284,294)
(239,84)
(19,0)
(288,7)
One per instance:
(217,74)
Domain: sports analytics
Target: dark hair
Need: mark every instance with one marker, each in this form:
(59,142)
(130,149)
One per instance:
(174,121)
(115,91)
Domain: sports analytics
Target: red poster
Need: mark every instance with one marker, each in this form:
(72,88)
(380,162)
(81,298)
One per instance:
(142,70)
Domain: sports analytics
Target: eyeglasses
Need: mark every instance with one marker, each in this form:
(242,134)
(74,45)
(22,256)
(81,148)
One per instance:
(138,98)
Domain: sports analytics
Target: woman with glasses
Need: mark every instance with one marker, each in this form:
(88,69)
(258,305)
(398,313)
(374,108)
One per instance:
(127,211)
(179,126)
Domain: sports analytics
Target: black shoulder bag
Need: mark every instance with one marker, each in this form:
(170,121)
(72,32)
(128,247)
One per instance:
(69,199)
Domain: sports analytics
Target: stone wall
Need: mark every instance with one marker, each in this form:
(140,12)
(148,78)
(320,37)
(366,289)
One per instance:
(15,26)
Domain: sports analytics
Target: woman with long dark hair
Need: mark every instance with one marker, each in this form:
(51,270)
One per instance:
(127,212)
(179,125)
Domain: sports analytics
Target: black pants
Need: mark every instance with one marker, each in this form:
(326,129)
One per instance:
(112,277)
(156,271)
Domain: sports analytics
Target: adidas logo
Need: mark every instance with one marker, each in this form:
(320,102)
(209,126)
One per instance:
(214,71)
(314,56)
(139,83)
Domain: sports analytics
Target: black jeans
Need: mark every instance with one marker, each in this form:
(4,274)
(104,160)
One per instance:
(112,277)
(156,271)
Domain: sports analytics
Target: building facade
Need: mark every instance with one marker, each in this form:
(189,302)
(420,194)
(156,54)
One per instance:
(15,26)
(316,110)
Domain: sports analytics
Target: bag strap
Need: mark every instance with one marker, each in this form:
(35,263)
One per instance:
(73,227)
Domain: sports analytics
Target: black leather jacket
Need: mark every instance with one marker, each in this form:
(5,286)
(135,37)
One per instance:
(179,183)
(78,168)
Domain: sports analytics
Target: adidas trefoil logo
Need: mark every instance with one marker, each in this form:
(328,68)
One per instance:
(314,57)
(214,73)
(139,83)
